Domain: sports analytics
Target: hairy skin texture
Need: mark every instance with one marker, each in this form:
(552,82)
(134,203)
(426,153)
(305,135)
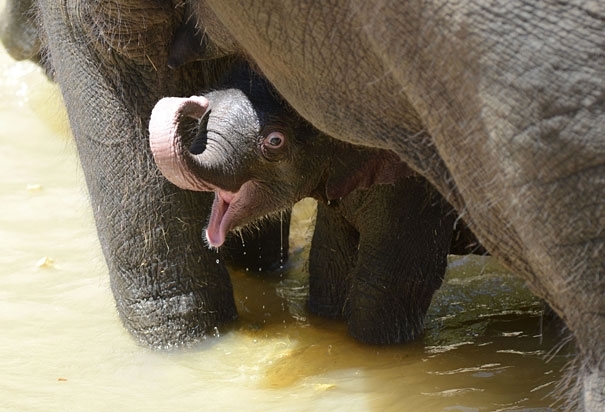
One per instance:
(500,106)
(111,61)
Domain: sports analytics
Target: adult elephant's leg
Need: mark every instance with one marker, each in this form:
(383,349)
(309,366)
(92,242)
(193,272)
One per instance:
(169,288)
(522,135)
(405,235)
(331,260)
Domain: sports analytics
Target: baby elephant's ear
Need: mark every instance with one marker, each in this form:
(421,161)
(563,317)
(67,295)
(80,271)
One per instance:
(355,167)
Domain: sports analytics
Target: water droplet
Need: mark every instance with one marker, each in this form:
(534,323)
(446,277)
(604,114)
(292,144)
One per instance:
(260,269)
(218,261)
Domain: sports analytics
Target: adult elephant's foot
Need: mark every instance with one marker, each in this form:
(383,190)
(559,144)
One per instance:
(172,293)
(182,319)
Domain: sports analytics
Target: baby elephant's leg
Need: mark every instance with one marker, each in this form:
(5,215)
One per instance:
(331,260)
(405,234)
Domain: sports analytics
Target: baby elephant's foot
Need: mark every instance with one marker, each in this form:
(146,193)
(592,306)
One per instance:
(385,325)
(388,315)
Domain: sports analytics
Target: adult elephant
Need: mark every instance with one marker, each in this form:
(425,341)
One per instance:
(111,61)
(500,105)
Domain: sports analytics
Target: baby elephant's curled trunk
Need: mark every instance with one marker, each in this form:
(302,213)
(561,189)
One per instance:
(175,160)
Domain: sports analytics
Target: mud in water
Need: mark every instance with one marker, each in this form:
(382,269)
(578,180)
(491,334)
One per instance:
(63,347)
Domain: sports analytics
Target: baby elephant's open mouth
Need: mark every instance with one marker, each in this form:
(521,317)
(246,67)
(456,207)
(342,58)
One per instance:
(220,221)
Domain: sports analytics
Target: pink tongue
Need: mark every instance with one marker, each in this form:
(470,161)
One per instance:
(217,226)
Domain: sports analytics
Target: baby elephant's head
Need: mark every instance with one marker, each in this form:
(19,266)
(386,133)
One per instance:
(256,153)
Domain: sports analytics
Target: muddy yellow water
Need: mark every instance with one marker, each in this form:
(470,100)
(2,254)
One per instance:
(63,348)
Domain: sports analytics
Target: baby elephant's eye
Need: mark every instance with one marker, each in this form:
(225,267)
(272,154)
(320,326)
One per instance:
(275,140)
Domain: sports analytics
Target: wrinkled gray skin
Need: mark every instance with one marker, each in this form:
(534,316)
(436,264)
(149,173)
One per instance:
(168,287)
(500,105)
(382,234)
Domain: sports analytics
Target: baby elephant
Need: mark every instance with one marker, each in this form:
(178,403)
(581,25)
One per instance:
(382,233)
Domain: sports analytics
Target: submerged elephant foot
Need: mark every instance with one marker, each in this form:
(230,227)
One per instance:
(171,300)
(175,321)
(396,317)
